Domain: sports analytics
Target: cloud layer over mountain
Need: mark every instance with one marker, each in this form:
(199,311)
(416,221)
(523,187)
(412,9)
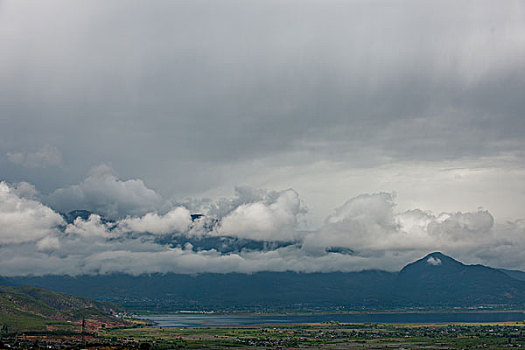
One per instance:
(366,232)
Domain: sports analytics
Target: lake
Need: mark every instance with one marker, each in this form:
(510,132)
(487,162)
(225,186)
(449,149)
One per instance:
(401,317)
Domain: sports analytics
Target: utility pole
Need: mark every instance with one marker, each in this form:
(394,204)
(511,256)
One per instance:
(82,328)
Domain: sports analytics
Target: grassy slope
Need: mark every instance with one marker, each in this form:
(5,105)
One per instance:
(34,308)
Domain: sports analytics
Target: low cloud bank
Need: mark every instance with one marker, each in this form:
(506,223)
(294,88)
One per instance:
(366,232)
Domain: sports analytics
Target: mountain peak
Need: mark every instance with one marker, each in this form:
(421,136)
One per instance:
(444,280)
(430,263)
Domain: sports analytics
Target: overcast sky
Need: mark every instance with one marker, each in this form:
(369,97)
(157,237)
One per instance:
(131,107)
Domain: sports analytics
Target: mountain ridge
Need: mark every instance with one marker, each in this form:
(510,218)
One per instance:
(434,281)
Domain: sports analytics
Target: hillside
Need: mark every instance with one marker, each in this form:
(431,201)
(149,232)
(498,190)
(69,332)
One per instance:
(33,308)
(516,274)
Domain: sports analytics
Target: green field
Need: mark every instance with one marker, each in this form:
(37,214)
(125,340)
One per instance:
(331,336)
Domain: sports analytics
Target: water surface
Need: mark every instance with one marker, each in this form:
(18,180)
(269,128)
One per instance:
(402,317)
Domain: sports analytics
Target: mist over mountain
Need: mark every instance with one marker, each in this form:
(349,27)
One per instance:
(435,281)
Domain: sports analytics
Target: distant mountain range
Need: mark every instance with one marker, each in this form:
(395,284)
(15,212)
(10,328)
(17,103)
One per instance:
(23,308)
(516,274)
(435,281)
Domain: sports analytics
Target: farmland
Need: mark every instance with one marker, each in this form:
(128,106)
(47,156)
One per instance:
(314,336)
(332,336)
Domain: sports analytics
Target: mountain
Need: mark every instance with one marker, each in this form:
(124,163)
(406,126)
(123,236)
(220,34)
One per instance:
(438,279)
(435,281)
(72,215)
(33,308)
(233,291)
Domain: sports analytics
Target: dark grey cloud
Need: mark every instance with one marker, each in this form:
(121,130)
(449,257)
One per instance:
(189,85)
(188,99)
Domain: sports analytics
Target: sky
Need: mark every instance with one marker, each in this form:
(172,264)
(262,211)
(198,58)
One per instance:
(382,129)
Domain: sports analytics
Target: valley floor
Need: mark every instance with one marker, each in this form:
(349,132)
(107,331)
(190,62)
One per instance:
(315,336)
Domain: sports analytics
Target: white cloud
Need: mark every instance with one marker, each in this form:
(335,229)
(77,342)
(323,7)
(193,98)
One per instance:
(363,222)
(434,261)
(221,207)
(176,220)
(44,157)
(48,243)
(104,193)
(24,220)
(368,223)
(91,227)
(272,220)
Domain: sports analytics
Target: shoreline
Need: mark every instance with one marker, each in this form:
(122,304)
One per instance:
(361,318)
(321,324)
(305,313)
